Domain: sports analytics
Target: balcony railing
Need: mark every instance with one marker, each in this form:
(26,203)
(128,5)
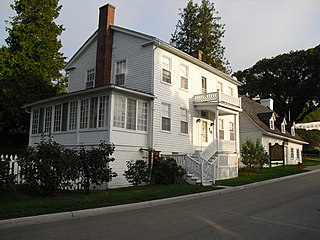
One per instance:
(217,97)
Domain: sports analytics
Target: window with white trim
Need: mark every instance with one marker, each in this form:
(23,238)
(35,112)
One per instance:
(166,116)
(48,119)
(271,122)
(90,78)
(231,131)
(73,114)
(292,153)
(230,89)
(183,120)
(221,129)
(166,69)
(293,133)
(298,154)
(35,121)
(203,85)
(283,128)
(131,114)
(121,68)
(84,113)
(119,111)
(57,118)
(184,72)
(142,119)
(103,111)
(93,112)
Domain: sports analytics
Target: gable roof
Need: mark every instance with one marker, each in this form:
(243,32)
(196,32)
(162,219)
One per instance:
(151,40)
(261,115)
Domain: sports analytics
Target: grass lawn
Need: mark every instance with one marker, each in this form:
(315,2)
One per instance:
(246,177)
(25,202)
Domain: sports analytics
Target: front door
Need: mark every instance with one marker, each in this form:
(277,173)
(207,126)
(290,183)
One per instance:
(204,131)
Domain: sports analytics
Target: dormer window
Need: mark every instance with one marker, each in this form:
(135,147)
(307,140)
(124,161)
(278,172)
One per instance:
(271,121)
(293,133)
(121,68)
(283,126)
(90,78)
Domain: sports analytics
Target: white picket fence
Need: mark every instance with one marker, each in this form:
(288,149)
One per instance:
(14,167)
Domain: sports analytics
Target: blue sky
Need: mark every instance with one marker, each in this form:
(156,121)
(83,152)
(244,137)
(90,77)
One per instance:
(255,29)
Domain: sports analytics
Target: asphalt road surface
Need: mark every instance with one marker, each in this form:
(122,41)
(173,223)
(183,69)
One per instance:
(289,209)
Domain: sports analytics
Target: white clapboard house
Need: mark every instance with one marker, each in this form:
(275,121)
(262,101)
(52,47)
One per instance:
(259,121)
(140,93)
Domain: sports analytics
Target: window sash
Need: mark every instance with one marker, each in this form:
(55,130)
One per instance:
(93,112)
(84,113)
(131,114)
(102,111)
(57,118)
(166,116)
(35,121)
(184,82)
(90,78)
(48,119)
(142,122)
(183,120)
(166,76)
(204,85)
(73,115)
(119,111)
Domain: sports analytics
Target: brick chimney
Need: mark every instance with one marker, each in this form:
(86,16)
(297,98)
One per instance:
(104,46)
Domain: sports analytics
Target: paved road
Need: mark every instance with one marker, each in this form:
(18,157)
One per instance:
(288,209)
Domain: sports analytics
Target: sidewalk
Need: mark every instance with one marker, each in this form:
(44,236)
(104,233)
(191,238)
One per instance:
(18,222)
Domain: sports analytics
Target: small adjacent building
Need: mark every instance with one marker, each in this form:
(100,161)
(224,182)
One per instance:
(259,121)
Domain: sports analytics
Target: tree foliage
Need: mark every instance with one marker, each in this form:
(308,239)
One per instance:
(29,63)
(200,29)
(253,154)
(137,173)
(292,80)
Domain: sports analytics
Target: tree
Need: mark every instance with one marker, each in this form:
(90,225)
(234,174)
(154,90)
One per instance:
(137,173)
(29,63)
(199,29)
(253,154)
(292,80)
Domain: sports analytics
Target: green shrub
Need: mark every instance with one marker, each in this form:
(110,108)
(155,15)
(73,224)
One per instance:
(137,173)
(253,154)
(6,178)
(94,165)
(166,171)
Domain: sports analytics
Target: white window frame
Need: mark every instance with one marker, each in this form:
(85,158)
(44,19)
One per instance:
(166,116)
(184,125)
(292,153)
(119,112)
(293,133)
(142,116)
(166,70)
(131,114)
(121,70)
(221,129)
(231,131)
(184,76)
(84,113)
(73,115)
(57,119)
(204,85)
(48,120)
(93,112)
(35,121)
(90,78)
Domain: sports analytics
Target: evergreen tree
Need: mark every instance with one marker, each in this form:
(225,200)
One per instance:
(30,62)
(200,29)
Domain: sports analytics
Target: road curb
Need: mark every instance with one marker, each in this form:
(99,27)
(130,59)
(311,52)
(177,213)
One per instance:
(47,218)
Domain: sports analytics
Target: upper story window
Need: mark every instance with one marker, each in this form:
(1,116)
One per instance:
(184,76)
(204,85)
(271,121)
(220,86)
(183,120)
(283,126)
(90,78)
(121,68)
(231,92)
(166,70)
(166,117)
(293,133)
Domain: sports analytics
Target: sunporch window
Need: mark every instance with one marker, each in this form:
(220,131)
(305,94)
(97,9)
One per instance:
(221,129)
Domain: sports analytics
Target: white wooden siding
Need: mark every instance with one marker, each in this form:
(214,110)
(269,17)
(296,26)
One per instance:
(85,61)
(173,141)
(138,61)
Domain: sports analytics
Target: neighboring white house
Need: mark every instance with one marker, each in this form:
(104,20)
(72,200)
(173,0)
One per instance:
(308,126)
(139,92)
(259,121)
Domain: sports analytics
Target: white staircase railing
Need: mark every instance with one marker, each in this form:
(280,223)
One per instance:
(210,150)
